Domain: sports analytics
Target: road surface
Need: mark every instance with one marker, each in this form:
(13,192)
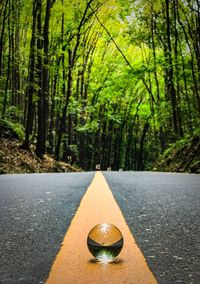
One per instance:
(35,212)
(162,211)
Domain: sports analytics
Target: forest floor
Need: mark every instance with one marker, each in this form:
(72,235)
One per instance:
(182,156)
(16,160)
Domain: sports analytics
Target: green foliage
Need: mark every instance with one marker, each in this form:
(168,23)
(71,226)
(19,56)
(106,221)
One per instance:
(74,149)
(88,127)
(11,129)
(13,113)
(176,146)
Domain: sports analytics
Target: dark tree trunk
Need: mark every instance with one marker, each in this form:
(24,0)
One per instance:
(5,101)
(44,95)
(140,164)
(2,34)
(30,88)
(169,70)
(177,71)
(62,126)
(129,146)
(39,147)
(52,128)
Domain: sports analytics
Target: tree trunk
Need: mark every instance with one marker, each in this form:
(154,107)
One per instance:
(5,101)
(44,95)
(39,146)
(62,126)
(169,71)
(140,165)
(2,35)
(30,88)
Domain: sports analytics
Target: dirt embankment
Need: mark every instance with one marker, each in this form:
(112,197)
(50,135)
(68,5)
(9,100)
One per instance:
(181,157)
(16,160)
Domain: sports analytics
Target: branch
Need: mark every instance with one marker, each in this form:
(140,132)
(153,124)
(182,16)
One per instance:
(118,48)
(121,52)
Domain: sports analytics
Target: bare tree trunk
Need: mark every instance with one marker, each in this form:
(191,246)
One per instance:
(2,34)
(44,95)
(39,67)
(140,165)
(31,80)
(5,101)
(169,71)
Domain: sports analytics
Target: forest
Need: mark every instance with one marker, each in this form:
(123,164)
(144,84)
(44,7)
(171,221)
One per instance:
(109,82)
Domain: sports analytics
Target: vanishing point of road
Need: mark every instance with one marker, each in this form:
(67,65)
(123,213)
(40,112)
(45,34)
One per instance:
(162,211)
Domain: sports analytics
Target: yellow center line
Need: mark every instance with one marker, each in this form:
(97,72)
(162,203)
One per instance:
(73,263)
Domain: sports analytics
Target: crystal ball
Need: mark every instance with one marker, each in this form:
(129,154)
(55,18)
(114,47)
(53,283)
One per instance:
(105,241)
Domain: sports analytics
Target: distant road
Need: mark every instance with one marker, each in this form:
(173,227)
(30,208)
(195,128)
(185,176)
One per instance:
(161,209)
(163,213)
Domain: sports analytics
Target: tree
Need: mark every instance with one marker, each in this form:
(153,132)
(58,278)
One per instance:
(104,82)
(44,80)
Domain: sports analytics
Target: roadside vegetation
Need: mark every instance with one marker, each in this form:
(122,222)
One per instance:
(109,82)
(14,160)
(182,156)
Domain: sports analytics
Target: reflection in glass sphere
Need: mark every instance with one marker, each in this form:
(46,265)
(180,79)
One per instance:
(105,242)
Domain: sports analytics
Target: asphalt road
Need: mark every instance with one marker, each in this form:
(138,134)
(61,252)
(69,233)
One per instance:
(35,212)
(163,213)
(161,209)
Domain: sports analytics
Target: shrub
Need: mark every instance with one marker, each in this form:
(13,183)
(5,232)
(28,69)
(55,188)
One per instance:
(11,129)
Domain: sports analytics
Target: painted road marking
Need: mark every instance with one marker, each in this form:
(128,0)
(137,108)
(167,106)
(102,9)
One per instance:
(73,263)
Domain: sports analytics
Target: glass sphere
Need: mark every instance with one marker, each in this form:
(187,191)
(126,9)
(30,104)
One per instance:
(105,241)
